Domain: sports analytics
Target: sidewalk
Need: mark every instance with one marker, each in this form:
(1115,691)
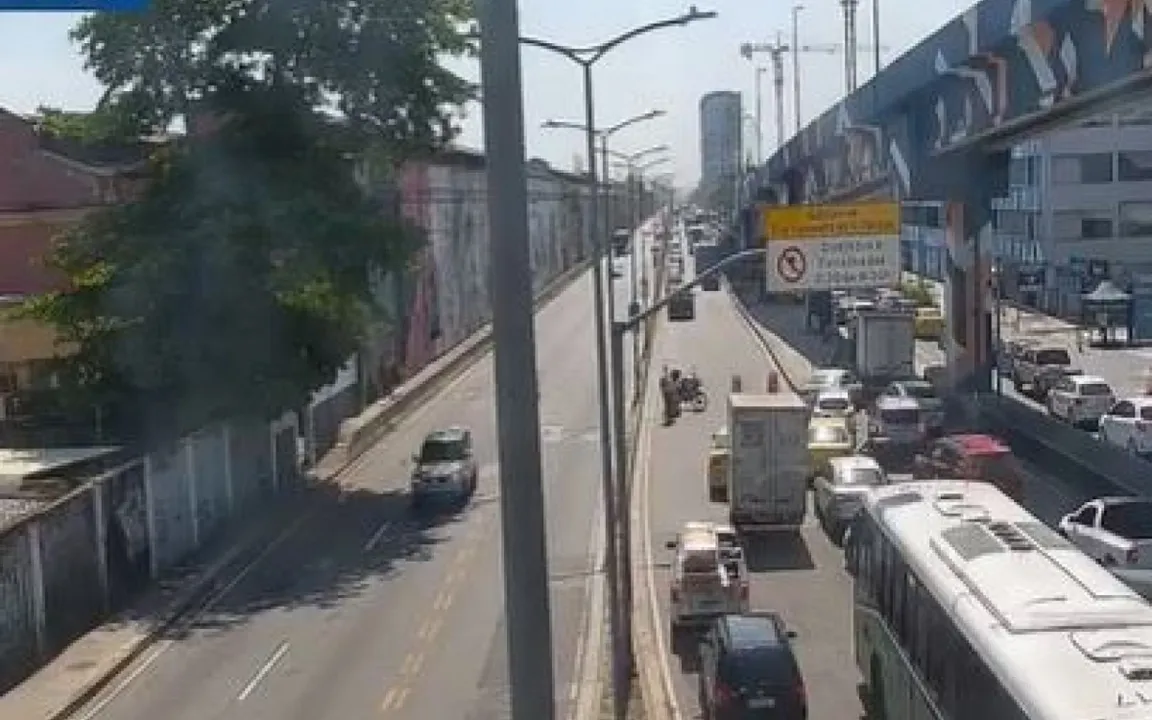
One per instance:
(1125,368)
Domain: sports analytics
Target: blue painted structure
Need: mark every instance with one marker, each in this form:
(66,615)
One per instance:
(999,70)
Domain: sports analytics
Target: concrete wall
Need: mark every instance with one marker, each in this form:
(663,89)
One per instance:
(65,568)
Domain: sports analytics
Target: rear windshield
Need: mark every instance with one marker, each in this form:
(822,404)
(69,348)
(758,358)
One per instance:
(903,416)
(1129,520)
(771,665)
(435,451)
(1097,389)
(834,404)
(1053,357)
(828,435)
(920,391)
(863,476)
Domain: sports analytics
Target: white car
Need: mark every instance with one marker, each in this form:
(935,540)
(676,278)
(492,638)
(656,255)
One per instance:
(1128,424)
(823,379)
(1114,531)
(1080,399)
(709,575)
(840,484)
(833,403)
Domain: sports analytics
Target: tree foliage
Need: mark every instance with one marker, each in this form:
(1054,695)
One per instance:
(237,281)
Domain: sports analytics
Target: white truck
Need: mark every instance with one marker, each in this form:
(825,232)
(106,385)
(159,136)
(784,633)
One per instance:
(768,470)
(709,575)
(885,348)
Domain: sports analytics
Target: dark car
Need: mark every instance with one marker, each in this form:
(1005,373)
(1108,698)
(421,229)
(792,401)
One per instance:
(445,468)
(749,672)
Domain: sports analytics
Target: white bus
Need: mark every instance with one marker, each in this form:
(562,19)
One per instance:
(966,607)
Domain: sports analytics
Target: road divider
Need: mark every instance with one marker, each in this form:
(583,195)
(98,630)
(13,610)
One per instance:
(793,367)
(358,434)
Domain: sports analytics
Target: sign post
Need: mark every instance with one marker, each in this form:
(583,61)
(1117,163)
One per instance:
(827,247)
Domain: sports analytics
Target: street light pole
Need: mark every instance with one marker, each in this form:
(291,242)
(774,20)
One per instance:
(759,118)
(517,389)
(795,65)
(876,35)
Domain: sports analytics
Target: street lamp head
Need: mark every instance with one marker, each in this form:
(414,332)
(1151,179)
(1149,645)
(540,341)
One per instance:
(653,114)
(693,14)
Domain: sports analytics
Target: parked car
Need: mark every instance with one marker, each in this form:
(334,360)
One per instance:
(1114,531)
(445,467)
(1039,368)
(1128,425)
(838,488)
(1080,399)
(749,670)
(971,456)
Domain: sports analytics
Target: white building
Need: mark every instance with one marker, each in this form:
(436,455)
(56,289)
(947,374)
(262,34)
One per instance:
(721,135)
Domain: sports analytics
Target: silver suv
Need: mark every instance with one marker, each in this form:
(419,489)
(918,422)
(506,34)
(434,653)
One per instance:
(445,468)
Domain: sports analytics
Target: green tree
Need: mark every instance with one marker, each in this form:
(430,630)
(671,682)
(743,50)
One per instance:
(238,281)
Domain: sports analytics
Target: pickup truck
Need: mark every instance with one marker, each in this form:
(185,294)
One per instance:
(709,575)
(1114,531)
(1039,368)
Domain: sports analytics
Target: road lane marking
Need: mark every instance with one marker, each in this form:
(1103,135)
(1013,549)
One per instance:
(389,700)
(262,673)
(401,698)
(408,664)
(645,512)
(191,619)
(429,629)
(377,536)
(443,600)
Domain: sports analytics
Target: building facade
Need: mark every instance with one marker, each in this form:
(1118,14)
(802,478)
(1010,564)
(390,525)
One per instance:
(721,136)
(1079,209)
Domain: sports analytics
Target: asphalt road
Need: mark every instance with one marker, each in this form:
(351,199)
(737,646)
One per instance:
(802,578)
(364,609)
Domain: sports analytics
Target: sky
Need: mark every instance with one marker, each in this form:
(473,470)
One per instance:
(669,70)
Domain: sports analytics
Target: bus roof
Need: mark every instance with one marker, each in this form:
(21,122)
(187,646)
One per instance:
(1065,637)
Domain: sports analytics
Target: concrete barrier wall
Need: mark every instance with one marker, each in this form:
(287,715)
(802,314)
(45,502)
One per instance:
(64,569)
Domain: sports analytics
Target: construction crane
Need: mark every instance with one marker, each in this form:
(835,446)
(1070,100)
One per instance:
(777,51)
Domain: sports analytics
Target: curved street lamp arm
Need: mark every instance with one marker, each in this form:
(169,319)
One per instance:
(650,115)
(564,124)
(603,49)
(573,54)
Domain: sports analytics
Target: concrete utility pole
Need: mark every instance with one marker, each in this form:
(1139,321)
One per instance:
(849,43)
(517,390)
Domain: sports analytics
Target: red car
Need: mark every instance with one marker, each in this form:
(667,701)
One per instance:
(981,458)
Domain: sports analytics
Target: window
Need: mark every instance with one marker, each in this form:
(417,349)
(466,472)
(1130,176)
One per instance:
(1082,225)
(1136,219)
(1135,165)
(1075,169)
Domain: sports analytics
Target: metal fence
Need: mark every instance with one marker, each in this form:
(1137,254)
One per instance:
(67,567)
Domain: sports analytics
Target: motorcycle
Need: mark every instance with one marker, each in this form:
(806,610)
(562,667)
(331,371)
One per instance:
(691,393)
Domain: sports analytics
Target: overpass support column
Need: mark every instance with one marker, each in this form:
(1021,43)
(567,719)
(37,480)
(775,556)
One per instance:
(973,179)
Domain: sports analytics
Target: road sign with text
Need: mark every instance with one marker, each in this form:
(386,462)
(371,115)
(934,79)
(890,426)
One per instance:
(826,247)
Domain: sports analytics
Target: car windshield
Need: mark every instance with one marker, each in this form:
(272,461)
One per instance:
(828,435)
(902,416)
(920,391)
(1130,520)
(440,450)
(1055,356)
(1095,389)
(862,476)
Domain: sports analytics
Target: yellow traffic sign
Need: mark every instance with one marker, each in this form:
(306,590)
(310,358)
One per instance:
(820,222)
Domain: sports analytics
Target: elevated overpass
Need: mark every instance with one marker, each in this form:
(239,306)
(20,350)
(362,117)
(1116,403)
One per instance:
(937,125)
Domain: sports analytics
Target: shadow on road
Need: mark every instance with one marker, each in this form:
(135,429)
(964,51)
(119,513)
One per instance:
(348,540)
(686,648)
(778,551)
(785,319)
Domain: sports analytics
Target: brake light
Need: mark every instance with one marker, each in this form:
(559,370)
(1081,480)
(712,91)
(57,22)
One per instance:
(1132,556)
(722,694)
